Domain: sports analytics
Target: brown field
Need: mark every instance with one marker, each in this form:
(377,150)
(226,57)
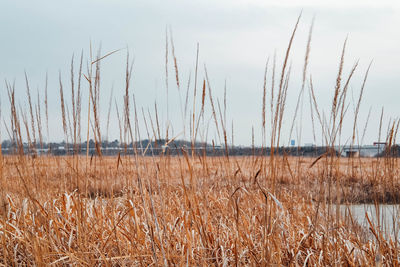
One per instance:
(197,211)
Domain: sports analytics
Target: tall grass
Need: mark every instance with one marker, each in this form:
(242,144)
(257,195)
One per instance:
(192,208)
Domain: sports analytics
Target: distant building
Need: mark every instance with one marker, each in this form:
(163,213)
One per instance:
(360,151)
(309,145)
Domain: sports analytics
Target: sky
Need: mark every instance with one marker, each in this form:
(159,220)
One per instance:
(235,39)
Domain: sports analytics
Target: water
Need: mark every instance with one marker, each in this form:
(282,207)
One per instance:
(384,217)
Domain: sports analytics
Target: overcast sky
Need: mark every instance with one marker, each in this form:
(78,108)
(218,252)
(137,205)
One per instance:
(235,38)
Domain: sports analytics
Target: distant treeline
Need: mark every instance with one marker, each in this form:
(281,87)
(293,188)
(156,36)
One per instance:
(175,147)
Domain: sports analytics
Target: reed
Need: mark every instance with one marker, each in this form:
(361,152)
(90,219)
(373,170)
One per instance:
(31,113)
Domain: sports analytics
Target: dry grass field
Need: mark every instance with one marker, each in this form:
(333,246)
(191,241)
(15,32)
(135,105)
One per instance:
(188,211)
(192,209)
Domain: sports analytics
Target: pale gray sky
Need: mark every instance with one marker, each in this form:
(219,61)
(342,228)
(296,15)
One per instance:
(235,37)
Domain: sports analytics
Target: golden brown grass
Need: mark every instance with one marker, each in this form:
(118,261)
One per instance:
(176,211)
(193,209)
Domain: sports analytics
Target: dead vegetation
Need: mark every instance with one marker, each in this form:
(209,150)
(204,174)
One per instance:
(177,213)
(191,209)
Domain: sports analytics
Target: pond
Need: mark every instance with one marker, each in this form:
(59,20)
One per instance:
(384,216)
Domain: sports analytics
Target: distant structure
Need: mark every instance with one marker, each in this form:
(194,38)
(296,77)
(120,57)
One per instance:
(309,145)
(352,153)
(362,151)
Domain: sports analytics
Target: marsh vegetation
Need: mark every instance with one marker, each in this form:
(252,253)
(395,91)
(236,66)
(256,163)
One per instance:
(191,208)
